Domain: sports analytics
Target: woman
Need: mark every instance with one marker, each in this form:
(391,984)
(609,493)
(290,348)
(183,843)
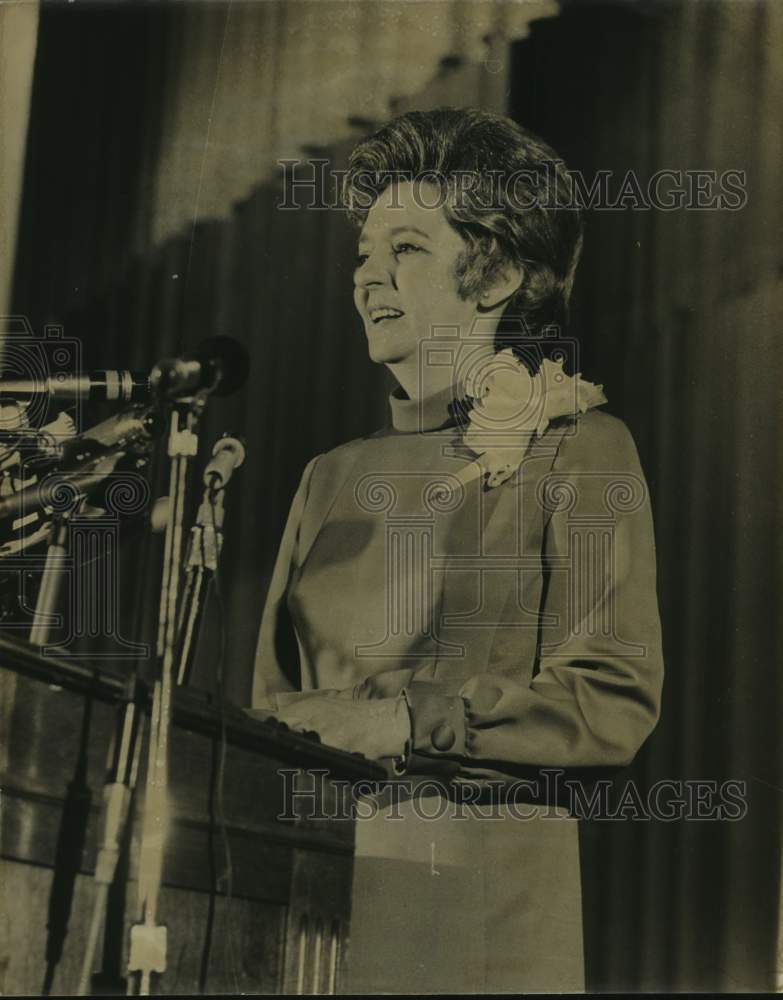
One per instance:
(468,595)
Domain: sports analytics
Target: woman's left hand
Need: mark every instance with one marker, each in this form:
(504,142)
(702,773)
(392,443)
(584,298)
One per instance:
(376,728)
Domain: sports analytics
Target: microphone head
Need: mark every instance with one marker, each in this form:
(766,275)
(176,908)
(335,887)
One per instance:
(228,359)
(233,443)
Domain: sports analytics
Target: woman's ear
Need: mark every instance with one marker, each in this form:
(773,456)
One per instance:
(507,280)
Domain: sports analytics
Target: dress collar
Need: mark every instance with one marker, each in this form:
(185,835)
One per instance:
(433,413)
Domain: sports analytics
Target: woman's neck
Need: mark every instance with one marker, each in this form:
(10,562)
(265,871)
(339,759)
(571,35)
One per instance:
(435,370)
(422,381)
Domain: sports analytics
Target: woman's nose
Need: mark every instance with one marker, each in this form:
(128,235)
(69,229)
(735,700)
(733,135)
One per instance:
(374,270)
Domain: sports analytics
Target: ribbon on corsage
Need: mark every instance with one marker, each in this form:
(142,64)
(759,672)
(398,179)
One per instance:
(509,407)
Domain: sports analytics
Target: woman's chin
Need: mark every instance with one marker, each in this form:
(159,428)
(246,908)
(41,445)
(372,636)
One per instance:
(384,351)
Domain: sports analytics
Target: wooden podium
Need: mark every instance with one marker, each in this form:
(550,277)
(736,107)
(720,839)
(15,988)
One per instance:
(286,828)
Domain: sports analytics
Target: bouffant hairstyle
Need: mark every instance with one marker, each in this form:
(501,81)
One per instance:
(505,191)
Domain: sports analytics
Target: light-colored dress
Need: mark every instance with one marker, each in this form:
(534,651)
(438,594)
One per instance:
(521,626)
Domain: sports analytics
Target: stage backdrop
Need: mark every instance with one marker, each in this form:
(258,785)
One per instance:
(149,221)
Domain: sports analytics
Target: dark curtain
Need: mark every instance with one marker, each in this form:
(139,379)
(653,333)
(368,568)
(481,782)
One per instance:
(678,313)
(677,316)
(279,282)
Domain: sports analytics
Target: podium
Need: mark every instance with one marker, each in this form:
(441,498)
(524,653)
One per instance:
(285,830)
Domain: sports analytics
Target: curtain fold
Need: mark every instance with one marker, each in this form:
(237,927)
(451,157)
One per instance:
(258,81)
(678,314)
(18,31)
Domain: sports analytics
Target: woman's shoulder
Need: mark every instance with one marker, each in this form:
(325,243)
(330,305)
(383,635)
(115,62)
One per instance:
(595,439)
(342,456)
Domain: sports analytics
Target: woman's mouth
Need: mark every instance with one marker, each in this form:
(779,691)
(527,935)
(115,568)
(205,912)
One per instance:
(378,314)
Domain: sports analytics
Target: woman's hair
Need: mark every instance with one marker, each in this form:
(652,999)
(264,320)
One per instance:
(504,190)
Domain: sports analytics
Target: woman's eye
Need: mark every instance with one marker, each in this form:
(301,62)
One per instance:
(398,248)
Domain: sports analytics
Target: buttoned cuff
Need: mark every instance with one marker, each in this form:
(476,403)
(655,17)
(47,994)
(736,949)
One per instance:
(387,728)
(395,721)
(438,732)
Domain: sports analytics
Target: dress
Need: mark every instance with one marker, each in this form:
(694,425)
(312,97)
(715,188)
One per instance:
(521,626)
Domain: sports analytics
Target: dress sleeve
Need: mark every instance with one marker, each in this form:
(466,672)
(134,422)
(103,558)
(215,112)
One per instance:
(276,667)
(595,692)
(384,724)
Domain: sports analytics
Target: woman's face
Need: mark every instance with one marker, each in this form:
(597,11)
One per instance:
(405,279)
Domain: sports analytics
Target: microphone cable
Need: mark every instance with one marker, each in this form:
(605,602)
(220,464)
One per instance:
(228,875)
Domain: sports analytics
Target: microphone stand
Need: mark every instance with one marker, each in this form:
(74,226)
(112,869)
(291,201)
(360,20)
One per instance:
(81,482)
(148,940)
(148,943)
(54,568)
(92,457)
(206,542)
(223,366)
(121,774)
(125,749)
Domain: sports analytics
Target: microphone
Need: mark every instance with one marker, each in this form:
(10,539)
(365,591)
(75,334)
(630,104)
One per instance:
(227,455)
(130,430)
(38,447)
(123,386)
(88,459)
(219,365)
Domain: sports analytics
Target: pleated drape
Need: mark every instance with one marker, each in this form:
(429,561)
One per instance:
(678,314)
(150,220)
(258,81)
(18,31)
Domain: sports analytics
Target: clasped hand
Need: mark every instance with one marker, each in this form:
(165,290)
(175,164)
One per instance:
(377,728)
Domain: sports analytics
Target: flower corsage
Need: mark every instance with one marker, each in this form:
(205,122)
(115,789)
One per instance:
(509,407)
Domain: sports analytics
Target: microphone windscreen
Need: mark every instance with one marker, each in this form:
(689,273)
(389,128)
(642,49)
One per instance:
(230,361)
